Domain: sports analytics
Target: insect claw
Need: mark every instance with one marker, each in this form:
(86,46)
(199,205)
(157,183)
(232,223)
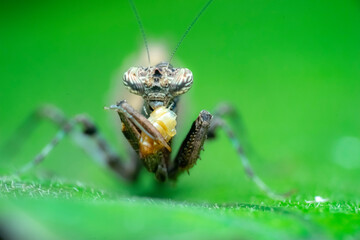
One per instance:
(162,142)
(188,172)
(115,107)
(112,107)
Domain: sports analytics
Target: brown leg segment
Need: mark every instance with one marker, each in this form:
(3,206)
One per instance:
(133,124)
(191,146)
(142,123)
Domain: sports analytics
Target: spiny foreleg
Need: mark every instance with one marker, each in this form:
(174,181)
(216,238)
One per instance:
(190,148)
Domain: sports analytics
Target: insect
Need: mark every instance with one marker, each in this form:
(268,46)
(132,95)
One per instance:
(150,132)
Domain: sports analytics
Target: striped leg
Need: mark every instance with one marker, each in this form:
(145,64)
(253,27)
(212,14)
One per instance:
(26,128)
(218,122)
(84,138)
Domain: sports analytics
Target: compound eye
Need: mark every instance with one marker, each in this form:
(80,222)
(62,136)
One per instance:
(132,80)
(182,82)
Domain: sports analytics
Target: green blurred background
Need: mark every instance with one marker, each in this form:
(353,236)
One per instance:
(290,67)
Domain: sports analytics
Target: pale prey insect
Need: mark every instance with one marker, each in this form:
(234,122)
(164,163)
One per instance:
(150,131)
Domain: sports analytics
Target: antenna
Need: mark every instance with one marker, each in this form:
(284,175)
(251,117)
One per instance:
(188,29)
(141,27)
